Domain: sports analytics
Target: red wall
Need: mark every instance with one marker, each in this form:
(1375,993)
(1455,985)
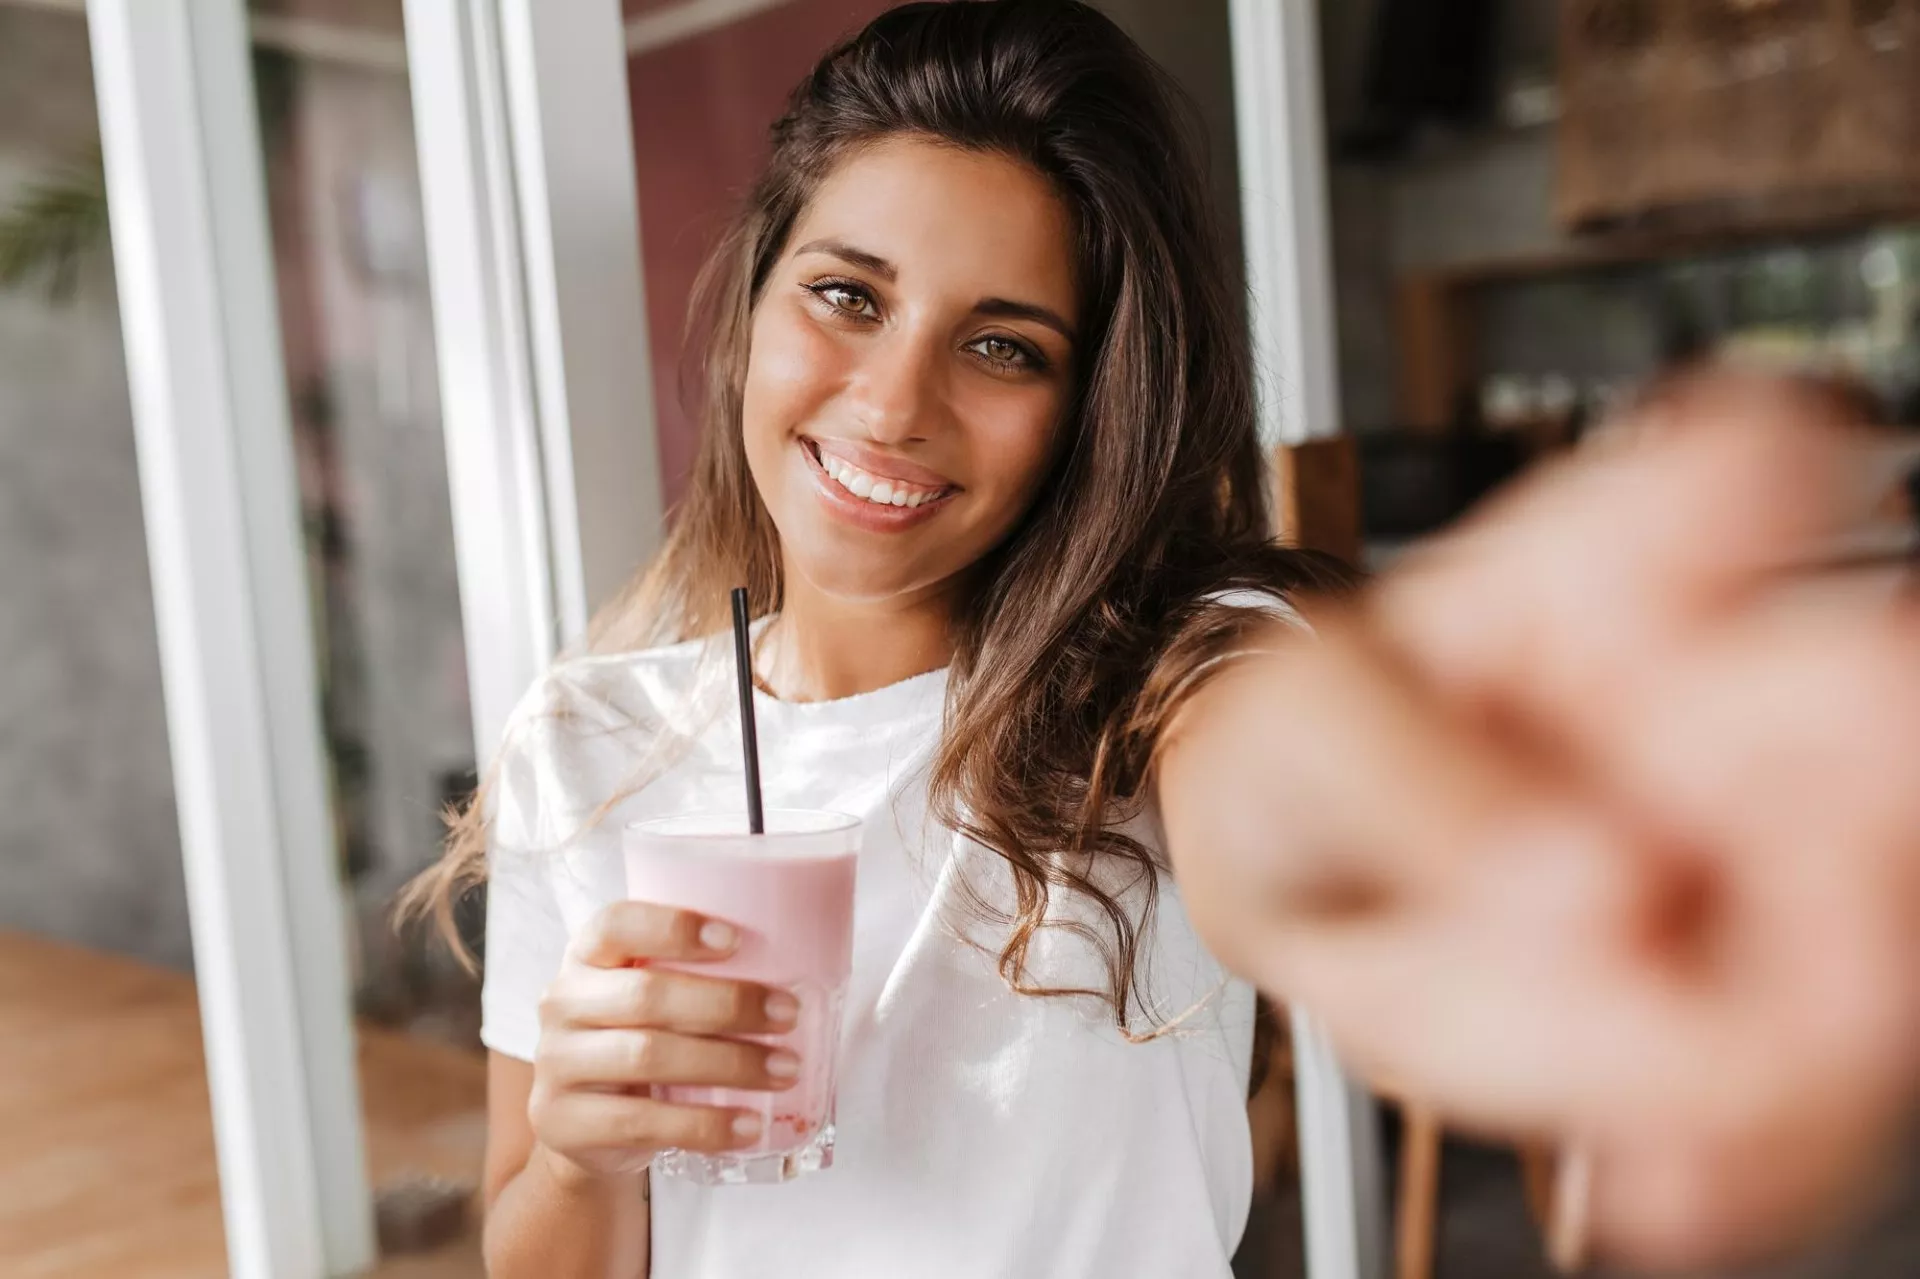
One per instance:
(701,111)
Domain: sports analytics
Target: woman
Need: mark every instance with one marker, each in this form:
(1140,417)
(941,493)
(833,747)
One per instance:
(979,437)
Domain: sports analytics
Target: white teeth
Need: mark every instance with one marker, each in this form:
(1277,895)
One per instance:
(878,491)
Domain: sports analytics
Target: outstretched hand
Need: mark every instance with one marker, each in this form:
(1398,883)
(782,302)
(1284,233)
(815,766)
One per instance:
(1599,822)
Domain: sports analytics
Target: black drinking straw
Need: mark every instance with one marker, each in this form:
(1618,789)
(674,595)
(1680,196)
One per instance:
(749,738)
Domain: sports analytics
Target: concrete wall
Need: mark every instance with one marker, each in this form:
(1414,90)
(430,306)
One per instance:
(89,848)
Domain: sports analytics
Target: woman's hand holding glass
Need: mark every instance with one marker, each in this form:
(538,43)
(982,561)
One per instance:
(615,1025)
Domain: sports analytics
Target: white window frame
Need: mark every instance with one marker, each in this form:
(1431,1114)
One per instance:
(572,150)
(496,480)
(200,315)
(1284,211)
(1281,129)
(523,124)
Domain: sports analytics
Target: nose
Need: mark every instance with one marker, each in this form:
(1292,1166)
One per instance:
(899,393)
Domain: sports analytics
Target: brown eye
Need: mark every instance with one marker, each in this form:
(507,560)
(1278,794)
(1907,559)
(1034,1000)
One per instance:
(848,299)
(1005,353)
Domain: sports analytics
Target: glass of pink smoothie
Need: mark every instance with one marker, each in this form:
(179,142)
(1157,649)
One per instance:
(790,892)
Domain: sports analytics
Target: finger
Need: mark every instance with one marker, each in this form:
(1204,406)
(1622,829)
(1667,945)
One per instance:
(1366,817)
(1780,757)
(621,998)
(1519,1007)
(1667,1204)
(1410,879)
(1369,791)
(635,1058)
(633,932)
(1786,753)
(615,1122)
(1797,730)
(1570,585)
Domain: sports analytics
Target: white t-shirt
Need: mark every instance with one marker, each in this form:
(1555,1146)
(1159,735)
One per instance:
(981,1133)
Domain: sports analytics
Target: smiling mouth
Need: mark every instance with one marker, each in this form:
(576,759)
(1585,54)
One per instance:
(876,490)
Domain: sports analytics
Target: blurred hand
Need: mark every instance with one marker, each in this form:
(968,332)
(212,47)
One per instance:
(612,1027)
(1594,824)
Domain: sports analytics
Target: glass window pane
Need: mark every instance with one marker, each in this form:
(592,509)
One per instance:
(357,323)
(109,1157)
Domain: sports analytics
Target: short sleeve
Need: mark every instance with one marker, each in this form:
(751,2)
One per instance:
(526,933)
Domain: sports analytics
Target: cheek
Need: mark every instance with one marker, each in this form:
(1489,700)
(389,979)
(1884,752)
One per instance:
(1015,432)
(791,369)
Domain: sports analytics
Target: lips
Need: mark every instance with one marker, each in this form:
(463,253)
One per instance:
(875,477)
(875,492)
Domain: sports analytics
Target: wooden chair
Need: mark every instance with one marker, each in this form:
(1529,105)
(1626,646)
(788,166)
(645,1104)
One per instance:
(1317,496)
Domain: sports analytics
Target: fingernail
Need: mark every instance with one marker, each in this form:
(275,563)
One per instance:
(746,1127)
(783,1065)
(782,1008)
(715,935)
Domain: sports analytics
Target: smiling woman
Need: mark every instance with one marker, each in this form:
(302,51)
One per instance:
(900,351)
(978,436)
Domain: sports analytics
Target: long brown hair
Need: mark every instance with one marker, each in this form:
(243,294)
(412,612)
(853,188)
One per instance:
(1098,615)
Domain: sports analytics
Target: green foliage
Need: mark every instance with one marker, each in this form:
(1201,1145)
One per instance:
(54,226)
(60,221)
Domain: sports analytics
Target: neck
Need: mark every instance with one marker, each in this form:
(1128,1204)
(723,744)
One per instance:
(821,648)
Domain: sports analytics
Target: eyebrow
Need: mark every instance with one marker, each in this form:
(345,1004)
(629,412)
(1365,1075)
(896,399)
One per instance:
(857,257)
(996,308)
(1006,309)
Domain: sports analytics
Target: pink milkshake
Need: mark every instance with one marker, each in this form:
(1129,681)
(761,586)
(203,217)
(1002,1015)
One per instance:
(790,892)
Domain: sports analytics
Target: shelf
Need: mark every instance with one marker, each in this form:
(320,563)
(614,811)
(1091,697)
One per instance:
(1774,222)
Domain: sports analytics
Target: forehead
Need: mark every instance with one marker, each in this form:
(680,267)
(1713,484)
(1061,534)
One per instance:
(972,222)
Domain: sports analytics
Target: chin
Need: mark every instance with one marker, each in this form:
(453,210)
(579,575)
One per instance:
(847,578)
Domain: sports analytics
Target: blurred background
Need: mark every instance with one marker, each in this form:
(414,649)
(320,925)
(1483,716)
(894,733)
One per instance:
(1535,206)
